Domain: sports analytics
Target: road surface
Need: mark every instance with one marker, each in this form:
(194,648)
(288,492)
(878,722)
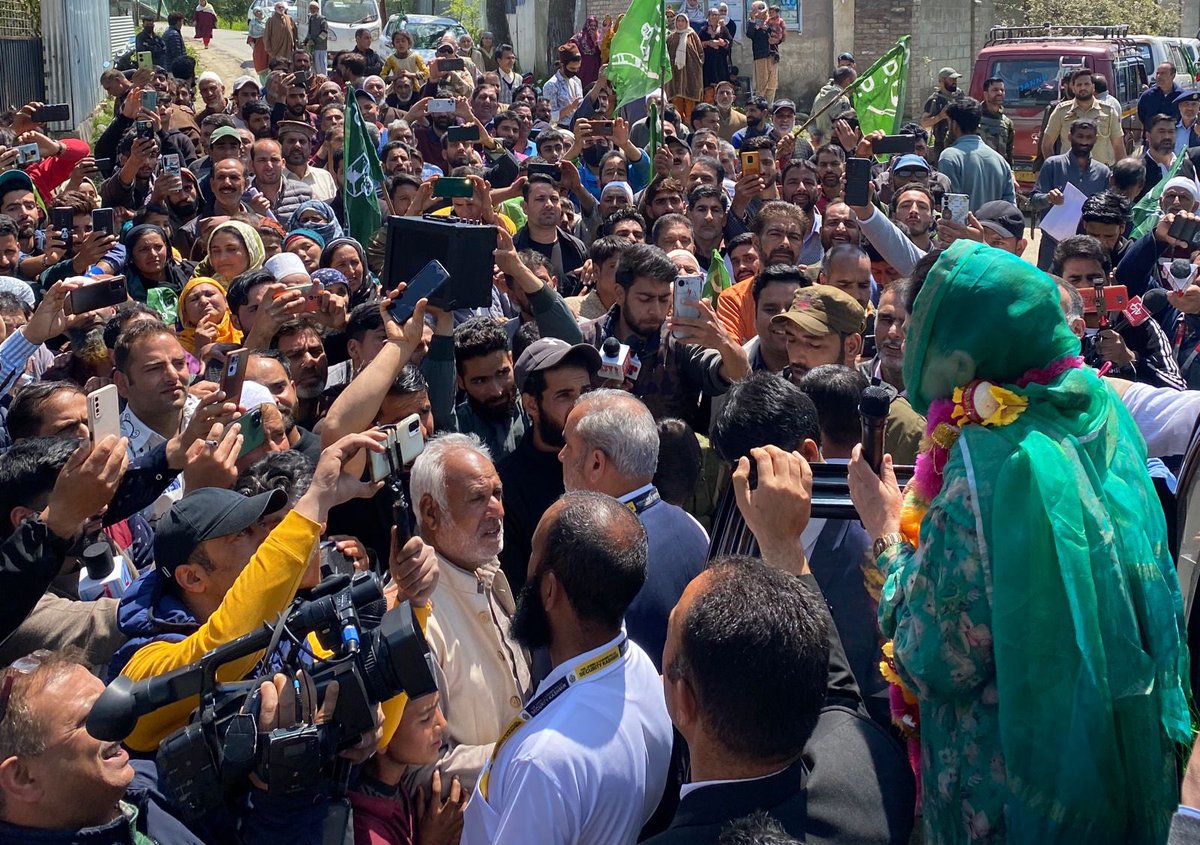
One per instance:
(228,55)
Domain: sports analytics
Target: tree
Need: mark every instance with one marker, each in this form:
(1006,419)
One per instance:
(560,29)
(1145,17)
(497,21)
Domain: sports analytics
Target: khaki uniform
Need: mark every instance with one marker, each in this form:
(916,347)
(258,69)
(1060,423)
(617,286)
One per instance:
(1108,126)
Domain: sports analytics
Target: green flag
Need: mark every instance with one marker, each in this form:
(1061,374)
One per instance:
(879,92)
(1146,213)
(637,61)
(717,280)
(362,175)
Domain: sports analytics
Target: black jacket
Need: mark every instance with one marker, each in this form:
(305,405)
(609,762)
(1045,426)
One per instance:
(532,481)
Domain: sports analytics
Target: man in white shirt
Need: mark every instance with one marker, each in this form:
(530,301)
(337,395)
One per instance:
(586,761)
(296,137)
(483,673)
(564,90)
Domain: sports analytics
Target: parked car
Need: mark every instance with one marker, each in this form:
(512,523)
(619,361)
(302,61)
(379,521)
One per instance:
(346,17)
(1154,50)
(268,9)
(426,30)
(1032,61)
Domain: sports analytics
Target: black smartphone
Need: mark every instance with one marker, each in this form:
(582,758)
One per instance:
(105,166)
(102,221)
(451,64)
(895,144)
(144,129)
(463,133)
(422,286)
(447,187)
(301,79)
(52,114)
(551,170)
(96,295)
(62,219)
(858,181)
(1185,230)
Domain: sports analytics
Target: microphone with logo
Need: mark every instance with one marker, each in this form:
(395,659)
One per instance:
(1139,310)
(873,406)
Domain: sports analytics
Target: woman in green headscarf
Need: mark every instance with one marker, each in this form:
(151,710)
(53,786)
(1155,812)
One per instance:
(233,248)
(1030,595)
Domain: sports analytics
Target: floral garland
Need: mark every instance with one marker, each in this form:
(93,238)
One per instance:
(979,403)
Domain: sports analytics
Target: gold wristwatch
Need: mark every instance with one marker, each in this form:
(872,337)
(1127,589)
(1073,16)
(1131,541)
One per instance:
(882,544)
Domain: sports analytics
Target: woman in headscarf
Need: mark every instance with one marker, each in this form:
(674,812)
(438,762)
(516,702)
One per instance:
(348,256)
(151,271)
(1030,595)
(487,53)
(588,42)
(204,315)
(686,85)
(262,61)
(307,244)
(717,41)
(319,217)
(233,248)
(272,235)
(606,42)
(205,19)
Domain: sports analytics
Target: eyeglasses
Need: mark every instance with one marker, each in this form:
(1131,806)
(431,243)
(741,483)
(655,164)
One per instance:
(23,666)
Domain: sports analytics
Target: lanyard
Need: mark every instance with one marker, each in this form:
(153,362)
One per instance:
(580,673)
(640,503)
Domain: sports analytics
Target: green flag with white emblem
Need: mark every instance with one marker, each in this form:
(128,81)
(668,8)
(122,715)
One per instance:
(362,176)
(637,62)
(879,92)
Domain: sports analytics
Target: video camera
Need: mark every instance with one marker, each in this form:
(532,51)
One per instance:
(376,655)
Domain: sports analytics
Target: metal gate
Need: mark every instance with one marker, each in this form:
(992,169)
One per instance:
(23,79)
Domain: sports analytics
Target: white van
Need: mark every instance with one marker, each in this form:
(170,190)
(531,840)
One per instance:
(346,17)
(1155,50)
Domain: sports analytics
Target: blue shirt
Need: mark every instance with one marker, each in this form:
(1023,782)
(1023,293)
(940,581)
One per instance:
(1154,101)
(637,174)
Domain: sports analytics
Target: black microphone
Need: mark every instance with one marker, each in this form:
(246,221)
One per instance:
(873,407)
(1155,302)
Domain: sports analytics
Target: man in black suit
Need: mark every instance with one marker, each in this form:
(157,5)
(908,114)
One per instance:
(748,648)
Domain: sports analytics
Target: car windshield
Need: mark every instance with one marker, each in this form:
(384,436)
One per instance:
(350,11)
(427,35)
(1030,81)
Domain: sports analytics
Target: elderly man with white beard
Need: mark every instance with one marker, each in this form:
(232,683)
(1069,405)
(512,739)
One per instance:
(483,674)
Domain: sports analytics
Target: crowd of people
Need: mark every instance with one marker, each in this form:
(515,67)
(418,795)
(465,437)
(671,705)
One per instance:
(637,628)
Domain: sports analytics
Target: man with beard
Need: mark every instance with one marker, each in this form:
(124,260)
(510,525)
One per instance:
(429,130)
(212,92)
(551,375)
(756,122)
(707,212)
(19,204)
(752,190)
(483,673)
(913,206)
(680,358)
(611,447)
(296,137)
(831,164)
(890,327)
(732,120)
(302,345)
(839,225)
(934,117)
(294,105)
(284,194)
(824,325)
(541,232)
(1160,150)
(269,368)
(833,99)
(228,183)
(484,372)
(129,186)
(590,766)
(733,312)
(1076,167)
(564,91)
(1110,140)
(848,268)
(996,128)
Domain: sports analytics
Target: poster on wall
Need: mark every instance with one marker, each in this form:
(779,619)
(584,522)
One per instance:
(792,11)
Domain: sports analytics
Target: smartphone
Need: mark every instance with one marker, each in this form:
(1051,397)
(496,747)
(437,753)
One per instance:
(463,133)
(96,295)
(253,434)
(104,413)
(445,65)
(105,166)
(102,221)
(1116,298)
(144,129)
(956,207)
(453,186)
(312,297)
(28,154)
(602,128)
(551,170)
(751,166)
(688,290)
(149,99)
(410,440)
(440,107)
(301,79)
(334,562)
(57,113)
(234,375)
(381,462)
(169,164)
(858,181)
(63,220)
(1185,230)
(425,284)
(895,144)
(145,60)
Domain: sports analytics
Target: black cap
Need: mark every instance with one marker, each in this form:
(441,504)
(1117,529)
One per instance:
(549,352)
(1003,218)
(782,104)
(207,513)
(846,57)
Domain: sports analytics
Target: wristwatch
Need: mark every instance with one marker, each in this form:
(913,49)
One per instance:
(882,544)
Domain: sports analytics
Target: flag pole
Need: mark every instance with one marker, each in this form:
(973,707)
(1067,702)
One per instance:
(845,92)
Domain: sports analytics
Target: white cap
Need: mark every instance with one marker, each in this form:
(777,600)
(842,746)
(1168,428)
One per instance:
(1184,182)
(255,394)
(285,264)
(209,76)
(243,81)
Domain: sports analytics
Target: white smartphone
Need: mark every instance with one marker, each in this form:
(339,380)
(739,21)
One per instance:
(688,290)
(104,413)
(381,462)
(410,439)
(956,207)
(440,107)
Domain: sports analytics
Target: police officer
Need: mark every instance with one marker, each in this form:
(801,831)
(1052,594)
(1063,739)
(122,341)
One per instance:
(1187,130)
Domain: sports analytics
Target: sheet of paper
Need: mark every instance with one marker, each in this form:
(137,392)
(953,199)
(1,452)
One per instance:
(1061,221)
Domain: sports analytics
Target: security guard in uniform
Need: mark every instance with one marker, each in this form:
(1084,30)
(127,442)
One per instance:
(1187,130)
